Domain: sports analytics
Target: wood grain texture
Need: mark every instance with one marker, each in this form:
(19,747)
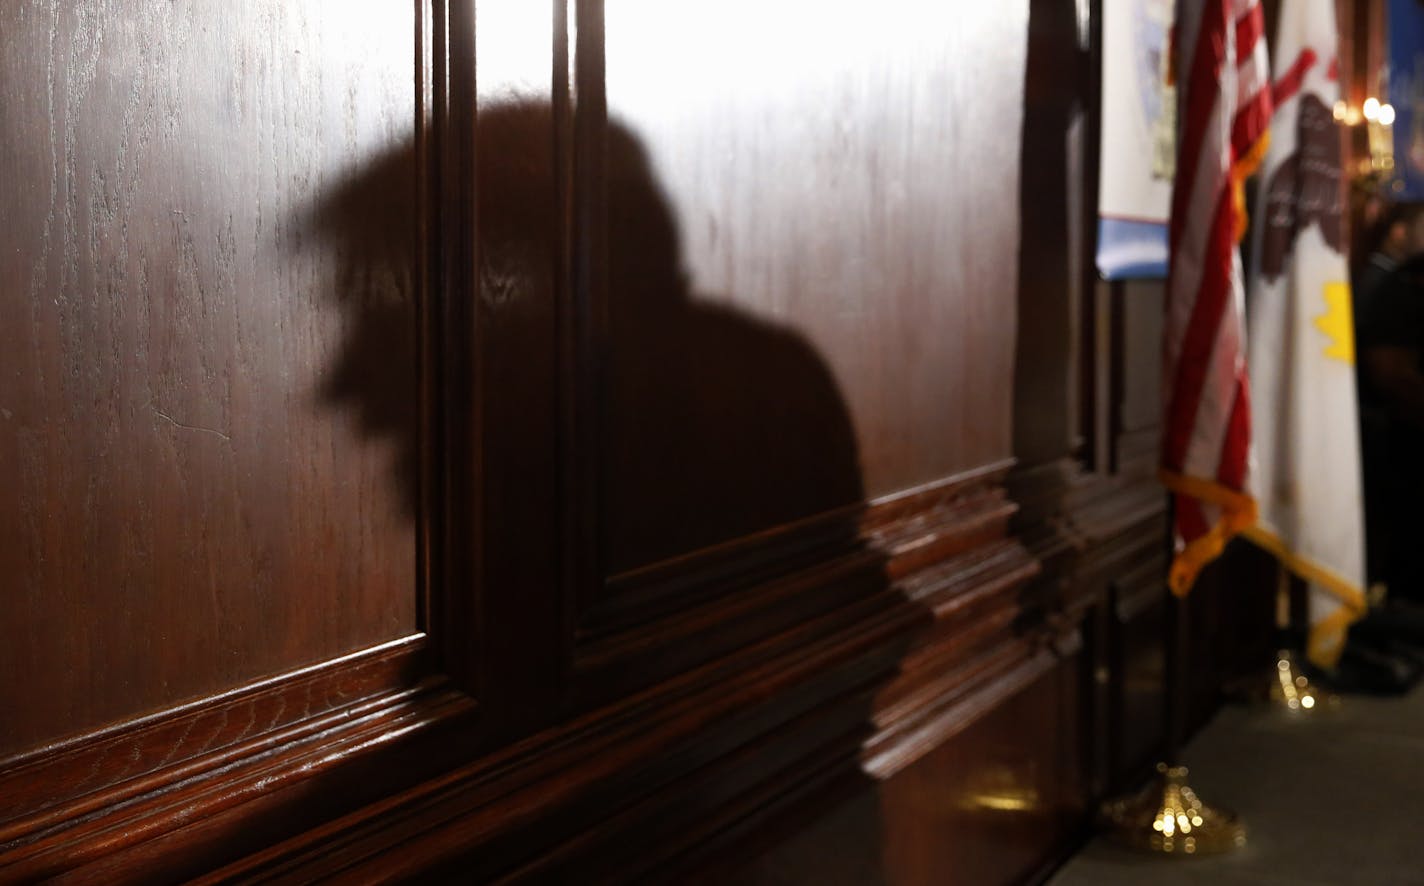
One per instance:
(193,816)
(53,784)
(192,501)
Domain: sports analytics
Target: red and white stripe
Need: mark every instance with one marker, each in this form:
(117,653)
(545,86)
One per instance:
(1224,102)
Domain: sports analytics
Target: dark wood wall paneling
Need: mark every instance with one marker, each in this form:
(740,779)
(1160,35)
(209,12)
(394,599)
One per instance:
(461,419)
(178,333)
(217,399)
(574,440)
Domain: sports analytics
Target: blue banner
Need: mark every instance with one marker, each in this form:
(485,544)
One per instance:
(1406,94)
(1137,146)
(1131,249)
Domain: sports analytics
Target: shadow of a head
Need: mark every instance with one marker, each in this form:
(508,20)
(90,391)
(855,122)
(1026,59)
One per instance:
(368,225)
(717,424)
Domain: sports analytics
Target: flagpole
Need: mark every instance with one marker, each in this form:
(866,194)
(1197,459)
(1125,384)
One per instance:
(1175,639)
(1175,715)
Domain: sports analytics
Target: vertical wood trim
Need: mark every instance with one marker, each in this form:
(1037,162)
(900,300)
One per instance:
(1101,381)
(426,334)
(1116,369)
(580,120)
(571,481)
(1087,142)
(456,625)
(1103,324)
(589,308)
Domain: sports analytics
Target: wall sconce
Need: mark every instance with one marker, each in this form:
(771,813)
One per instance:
(1379,123)
(1346,114)
(1378,119)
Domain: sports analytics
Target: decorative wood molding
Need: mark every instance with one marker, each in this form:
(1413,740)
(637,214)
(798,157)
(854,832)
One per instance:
(955,701)
(60,782)
(125,789)
(857,691)
(735,593)
(1087,528)
(858,685)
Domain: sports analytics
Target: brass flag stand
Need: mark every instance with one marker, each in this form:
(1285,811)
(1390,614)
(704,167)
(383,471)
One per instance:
(1289,688)
(1283,684)
(1168,817)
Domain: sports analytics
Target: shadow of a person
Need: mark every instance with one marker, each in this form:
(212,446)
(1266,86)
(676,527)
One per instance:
(718,425)
(370,224)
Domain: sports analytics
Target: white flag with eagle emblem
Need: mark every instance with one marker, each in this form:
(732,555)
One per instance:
(1306,472)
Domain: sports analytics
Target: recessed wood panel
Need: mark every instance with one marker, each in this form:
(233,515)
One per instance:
(996,803)
(823,260)
(207,321)
(1142,339)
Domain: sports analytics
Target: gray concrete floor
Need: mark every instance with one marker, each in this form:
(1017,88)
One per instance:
(1334,797)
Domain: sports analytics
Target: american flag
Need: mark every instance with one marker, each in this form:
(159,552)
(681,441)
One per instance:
(1224,107)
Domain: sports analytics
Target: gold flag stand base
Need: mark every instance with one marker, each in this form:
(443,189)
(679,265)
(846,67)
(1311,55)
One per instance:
(1285,686)
(1168,818)
(1292,690)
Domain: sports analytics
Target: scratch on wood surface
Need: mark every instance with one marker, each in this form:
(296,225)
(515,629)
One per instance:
(178,424)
